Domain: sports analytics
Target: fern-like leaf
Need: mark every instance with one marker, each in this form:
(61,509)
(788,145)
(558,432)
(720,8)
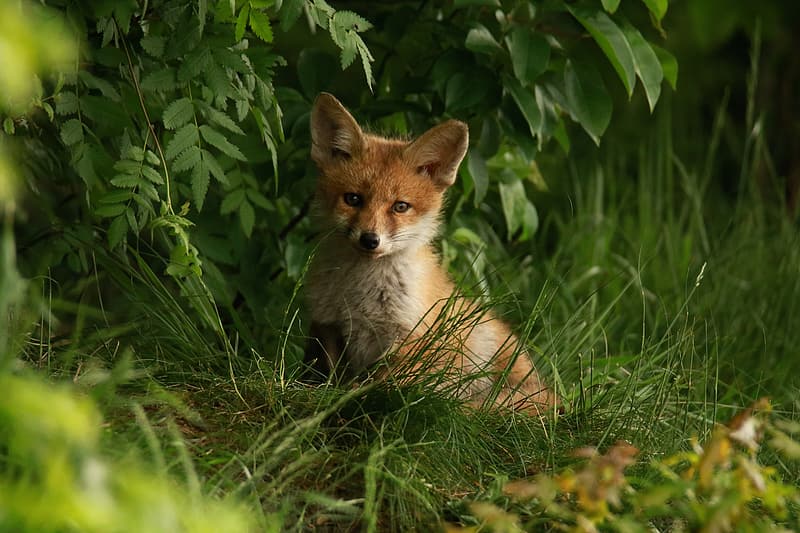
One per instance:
(184,138)
(214,167)
(71,132)
(189,158)
(200,179)
(218,140)
(259,23)
(178,113)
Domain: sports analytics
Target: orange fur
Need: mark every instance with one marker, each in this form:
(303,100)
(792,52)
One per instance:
(376,287)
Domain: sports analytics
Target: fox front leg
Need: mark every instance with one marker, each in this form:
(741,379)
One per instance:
(323,351)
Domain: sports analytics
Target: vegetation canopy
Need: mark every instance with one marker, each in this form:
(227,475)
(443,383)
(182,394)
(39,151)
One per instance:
(155,190)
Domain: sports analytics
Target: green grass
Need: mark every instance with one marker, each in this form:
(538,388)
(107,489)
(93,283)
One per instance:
(656,305)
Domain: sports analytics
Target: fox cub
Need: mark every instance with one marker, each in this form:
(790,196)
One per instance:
(375,284)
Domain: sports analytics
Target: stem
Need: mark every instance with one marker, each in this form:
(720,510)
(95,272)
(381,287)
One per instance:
(147,119)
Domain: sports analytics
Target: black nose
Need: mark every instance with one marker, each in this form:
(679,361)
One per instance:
(369,241)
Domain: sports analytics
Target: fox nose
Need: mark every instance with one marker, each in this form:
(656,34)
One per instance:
(369,241)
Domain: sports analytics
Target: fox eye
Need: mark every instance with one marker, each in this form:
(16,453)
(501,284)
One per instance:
(400,207)
(352,199)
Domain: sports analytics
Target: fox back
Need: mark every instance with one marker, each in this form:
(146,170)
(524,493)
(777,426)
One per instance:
(375,285)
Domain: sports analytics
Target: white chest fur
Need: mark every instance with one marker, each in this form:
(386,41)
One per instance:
(374,301)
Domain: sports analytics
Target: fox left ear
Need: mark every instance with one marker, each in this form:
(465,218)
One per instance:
(439,151)
(335,134)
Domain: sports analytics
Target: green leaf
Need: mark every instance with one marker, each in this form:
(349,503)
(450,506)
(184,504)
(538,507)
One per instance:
(526,104)
(202,11)
(149,191)
(128,166)
(133,152)
(8,126)
(153,45)
(476,165)
(194,63)
(214,168)
(490,136)
(668,64)
(66,103)
(231,59)
(480,39)
(117,231)
(218,83)
(259,23)
(48,109)
(611,41)
(647,66)
(247,217)
(200,179)
(241,22)
(152,175)
(521,217)
(71,132)
(366,60)
(105,112)
(178,113)
(219,141)
(127,181)
(160,81)
(587,98)
(105,88)
(340,36)
(152,158)
(351,21)
(133,224)
(348,55)
(610,5)
(189,158)
(259,199)
(530,53)
(232,201)
(657,7)
(184,138)
(290,12)
(561,136)
(115,196)
(469,237)
(109,210)
(223,119)
(466,3)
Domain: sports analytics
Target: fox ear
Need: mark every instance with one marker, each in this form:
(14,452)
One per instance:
(335,134)
(439,151)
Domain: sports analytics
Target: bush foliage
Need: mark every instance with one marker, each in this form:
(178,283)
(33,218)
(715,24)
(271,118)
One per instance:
(183,128)
(155,189)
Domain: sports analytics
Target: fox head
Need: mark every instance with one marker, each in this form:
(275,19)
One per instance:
(383,195)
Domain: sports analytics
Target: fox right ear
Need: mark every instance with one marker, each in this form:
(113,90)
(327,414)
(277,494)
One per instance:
(335,134)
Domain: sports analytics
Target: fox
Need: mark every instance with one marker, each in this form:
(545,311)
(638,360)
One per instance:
(378,294)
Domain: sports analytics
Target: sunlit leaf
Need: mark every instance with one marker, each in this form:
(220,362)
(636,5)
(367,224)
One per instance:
(657,7)
(646,63)
(669,65)
(480,39)
(612,41)
(259,23)
(527,105)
